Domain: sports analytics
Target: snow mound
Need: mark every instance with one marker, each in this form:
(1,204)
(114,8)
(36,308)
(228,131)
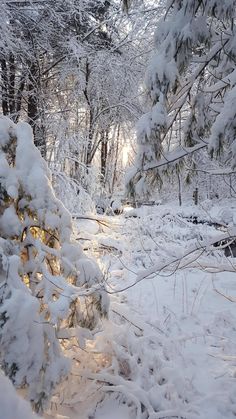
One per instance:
(12,406)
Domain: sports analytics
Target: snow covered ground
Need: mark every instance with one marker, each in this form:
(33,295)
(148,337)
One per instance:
(169,348)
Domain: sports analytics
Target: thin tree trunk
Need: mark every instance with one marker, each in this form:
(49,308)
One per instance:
(33,109)
(89,156)
(116,158)
(104,141)
(179,185)
(11,89)
(90,153)
(18,98)
(5,108)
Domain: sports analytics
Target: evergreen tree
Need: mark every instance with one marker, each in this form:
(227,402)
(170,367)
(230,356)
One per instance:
(46,282)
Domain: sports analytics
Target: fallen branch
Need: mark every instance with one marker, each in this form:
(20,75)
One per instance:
(180,262)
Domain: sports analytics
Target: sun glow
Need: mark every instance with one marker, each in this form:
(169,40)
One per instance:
(126,154)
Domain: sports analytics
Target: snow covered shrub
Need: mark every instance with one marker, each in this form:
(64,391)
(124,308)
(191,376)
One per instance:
(75,198)
(46,282)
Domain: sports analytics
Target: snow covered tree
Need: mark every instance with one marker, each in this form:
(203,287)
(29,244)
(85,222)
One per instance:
(37,39)
(71,70)
(47,284)
(191,83)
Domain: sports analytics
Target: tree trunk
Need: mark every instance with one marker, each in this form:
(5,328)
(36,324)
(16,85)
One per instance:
(18,98)
(104,140)
(11,89)
(88,157)
(34,113)
(114,177)
(5,108)
(90,154)
(179,185)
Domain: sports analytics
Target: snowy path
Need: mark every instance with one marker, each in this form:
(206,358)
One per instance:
(173,336)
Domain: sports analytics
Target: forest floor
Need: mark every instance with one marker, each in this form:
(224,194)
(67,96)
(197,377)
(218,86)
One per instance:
(169,347)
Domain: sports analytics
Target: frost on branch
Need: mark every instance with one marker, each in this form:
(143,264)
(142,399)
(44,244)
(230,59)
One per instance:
(46,282)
